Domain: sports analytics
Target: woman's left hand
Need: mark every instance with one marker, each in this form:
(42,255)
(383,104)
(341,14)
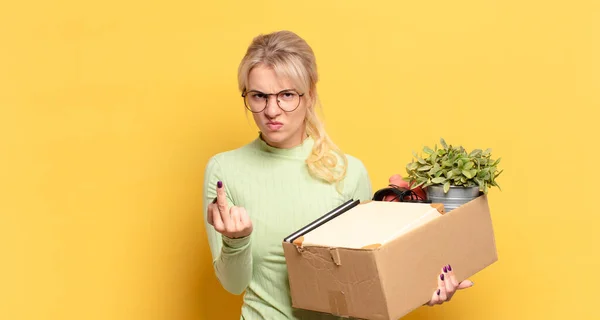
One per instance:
(447,286)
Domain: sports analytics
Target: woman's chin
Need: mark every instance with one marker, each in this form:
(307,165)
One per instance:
(274,137)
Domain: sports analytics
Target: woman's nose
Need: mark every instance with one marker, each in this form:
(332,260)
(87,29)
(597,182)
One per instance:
(272,108)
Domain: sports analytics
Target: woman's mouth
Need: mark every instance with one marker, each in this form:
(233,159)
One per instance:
(274,126)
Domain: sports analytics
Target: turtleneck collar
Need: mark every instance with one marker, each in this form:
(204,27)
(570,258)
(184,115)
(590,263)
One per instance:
(301,151)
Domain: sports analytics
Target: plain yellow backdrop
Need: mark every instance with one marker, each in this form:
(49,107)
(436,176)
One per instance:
(109,111)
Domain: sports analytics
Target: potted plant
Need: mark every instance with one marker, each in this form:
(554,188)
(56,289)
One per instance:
(451,175)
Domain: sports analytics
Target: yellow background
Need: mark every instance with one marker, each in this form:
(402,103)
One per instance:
(110,110)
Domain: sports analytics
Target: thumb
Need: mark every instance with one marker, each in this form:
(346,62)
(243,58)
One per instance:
(465,284)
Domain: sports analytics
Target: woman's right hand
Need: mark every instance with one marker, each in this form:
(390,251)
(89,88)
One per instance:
(231,222)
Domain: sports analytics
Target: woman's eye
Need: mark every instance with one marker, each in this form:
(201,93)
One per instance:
(258,96)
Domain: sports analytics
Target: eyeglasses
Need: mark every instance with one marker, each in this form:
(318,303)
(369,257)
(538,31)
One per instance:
(288,100)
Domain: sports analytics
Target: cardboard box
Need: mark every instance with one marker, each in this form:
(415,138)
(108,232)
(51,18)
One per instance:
(381,260)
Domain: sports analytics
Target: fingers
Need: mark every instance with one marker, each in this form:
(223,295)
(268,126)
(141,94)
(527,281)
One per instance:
(435,298)
(234,225)
(221,198)
(209,215)
(442,287)
(457,286)
(450,287)
(465,284)
(447,286)
(222,207)
(216,218)
(245,218)
(452,276)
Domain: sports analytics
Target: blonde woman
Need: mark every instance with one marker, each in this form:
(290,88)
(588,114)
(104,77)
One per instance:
(289,175)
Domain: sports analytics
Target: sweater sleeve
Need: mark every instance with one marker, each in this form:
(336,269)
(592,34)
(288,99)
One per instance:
(232,258)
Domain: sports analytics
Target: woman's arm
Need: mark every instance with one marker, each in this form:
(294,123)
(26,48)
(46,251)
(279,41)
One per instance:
(232,258)
(363,189)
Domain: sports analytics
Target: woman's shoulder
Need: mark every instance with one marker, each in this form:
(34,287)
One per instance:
(357,183)
(355,165)
(233,158)
(236,154)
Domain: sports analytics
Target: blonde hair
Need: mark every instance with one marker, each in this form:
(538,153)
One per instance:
(290,56)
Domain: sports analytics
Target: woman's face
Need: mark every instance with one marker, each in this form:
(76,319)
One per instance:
(279,128)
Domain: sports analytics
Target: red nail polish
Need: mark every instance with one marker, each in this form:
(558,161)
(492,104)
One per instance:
(219,184)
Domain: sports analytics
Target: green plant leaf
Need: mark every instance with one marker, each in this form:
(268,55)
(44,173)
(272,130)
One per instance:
(418,184)
(467,174)
(497,174)
(443,142)
(421,160)
(433,171)
(483,172)
(480,183)
(449,174)
(424,168)
(446,186)
(496,162)
(433,157)
(438,180)
(427,150)
(469,165)
(487,152)
(413,166)
(475,153)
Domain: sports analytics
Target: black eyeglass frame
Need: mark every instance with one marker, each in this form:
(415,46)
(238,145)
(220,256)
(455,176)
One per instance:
(245,93)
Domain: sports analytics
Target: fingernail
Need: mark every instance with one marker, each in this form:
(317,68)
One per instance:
(449,268)
(442,277)
(219,184)
(445,269)
(438,292)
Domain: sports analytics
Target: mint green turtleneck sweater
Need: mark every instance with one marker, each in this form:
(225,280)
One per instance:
(280,196)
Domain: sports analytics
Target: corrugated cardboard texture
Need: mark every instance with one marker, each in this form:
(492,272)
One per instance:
(349,285)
